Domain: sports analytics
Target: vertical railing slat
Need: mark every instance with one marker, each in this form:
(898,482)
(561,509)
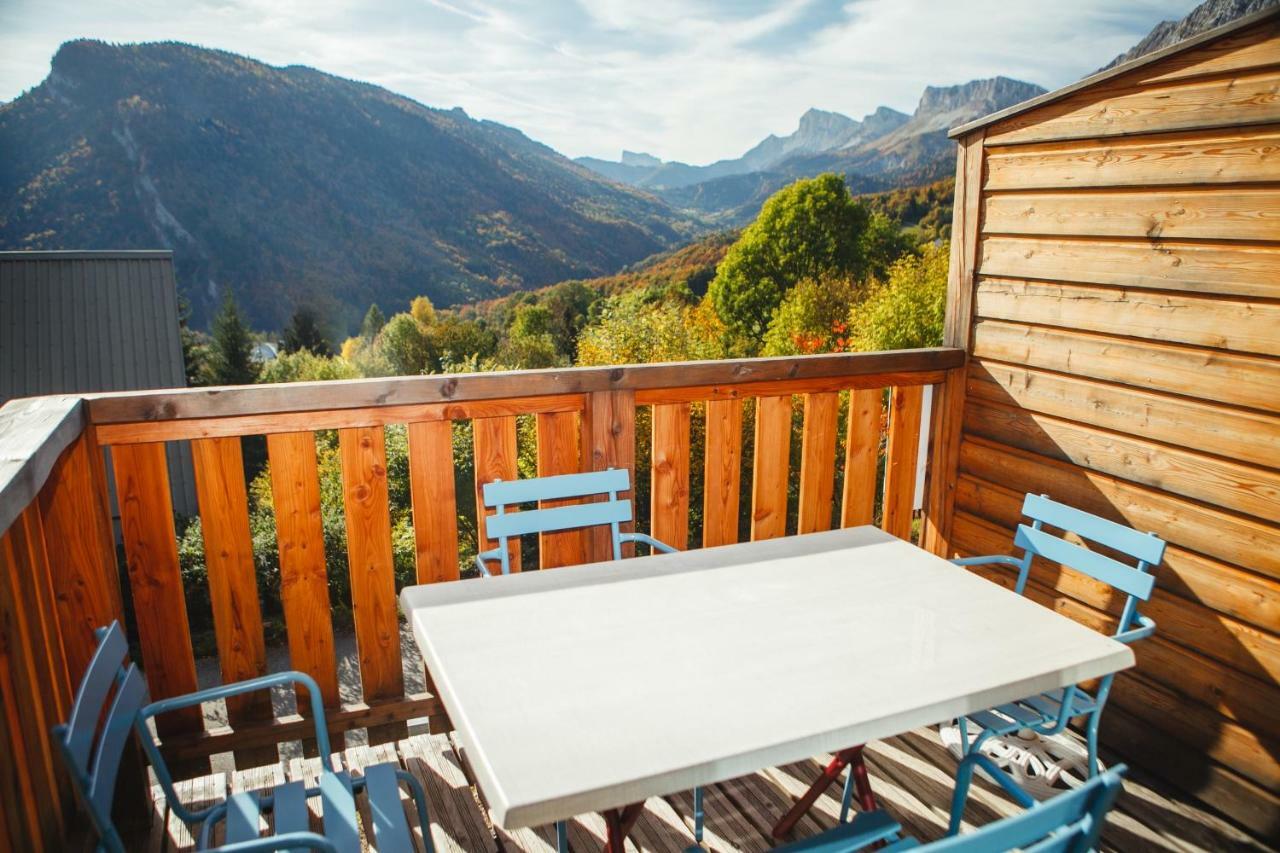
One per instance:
(906,405)
(558,434)
(722,473)
(772,461)
(495,459)
(818,461)
(861,455)
(609,441)
(435,504)
(669,489)
(233,584)
(373,579)
(155,579)
(304,579)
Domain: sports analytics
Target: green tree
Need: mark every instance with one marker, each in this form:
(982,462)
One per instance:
(373,322)
(231,350)
(812,318)
(406,346)
(195,348)
(306,366)
(528,343)
(456,340)
(304,333)
(908,309)
(809,229)
(423,311)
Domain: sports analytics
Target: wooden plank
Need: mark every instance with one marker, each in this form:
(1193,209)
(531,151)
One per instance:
(36,430)
(945,429)
(1212,532)
(609,434)
(435,504)
(1243,155)
(373,577)
(906,407)
(861,457)
(722,473)
(1234,433)
(265,423)
(1249,489)
(170,405)
(1199,213)
(1227,269)
(1244,380)
(558,436)
(304,580)
(1243,50)
(772,459)
(818,461)
(155,580)
(669,491)
(81,548)
(18,777)
(787,387)
(1123,108)
(965,228)
(457,822)
(233,586)
(495,459)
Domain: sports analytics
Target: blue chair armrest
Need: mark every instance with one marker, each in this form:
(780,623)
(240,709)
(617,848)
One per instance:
(174,703)
(645,539)
(495,555)
(1003,559)
(288,841)
(1146,627)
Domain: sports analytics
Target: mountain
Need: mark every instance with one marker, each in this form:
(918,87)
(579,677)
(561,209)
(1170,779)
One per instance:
(1206,16)
(885,151)
(291,186)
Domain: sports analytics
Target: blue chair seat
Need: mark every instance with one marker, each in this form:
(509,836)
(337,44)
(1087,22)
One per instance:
(1042,710)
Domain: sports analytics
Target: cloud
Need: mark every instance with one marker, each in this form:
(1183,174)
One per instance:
(695,80)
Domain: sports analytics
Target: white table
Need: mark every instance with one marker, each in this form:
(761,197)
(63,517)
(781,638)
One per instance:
(593,687)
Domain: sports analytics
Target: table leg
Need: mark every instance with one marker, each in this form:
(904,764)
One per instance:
(861,781)
(619,823)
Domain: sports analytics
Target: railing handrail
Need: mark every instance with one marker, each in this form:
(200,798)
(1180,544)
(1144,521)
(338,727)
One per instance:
(226,401)
(34,431)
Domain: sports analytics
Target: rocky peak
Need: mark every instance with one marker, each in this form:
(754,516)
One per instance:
(638,158)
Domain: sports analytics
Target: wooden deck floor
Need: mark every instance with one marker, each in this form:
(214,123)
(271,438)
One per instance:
(912,776)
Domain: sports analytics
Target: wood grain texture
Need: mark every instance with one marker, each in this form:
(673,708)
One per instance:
(435,504)
(785,387)
(495,459)
(861,457)
(233,585)
(1245,49)
(1239,434)
(304,581)
(669,489)
(722,473)
(906,406)
(609,437)
(1228,377)
(965,228)
(1196,213)
(37,430)
(1230,270)
(151,551)
(771,467)
(945,429)
(818,461)
(1159,159)
(558,437)
(1123,108)
(373,580)
(81,548)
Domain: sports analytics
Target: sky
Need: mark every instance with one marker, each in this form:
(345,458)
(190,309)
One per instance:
(690,80)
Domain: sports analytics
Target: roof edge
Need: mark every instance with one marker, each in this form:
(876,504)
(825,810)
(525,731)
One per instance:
(86,255)
(1110,73)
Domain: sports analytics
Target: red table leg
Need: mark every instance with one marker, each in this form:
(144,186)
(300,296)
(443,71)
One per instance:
(619,823)
(861,783)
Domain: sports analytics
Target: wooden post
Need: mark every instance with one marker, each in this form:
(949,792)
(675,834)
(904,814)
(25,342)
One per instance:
(609,441)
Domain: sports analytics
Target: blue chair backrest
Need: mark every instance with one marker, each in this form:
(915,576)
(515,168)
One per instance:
(93,747)
(503,525)
(1068,823)
(1135,581)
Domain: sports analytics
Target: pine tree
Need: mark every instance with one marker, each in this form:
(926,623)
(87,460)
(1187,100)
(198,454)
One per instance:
(304,332)
(231,350)
(374,320)
(195,349)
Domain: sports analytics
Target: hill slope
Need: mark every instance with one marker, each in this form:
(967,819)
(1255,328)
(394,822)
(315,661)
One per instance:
(291,186)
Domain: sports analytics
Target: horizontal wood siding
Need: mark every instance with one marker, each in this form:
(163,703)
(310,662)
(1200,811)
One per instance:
(1123,323)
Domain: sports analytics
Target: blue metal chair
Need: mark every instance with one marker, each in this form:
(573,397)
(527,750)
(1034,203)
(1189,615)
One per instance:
(503,526)
(1049,713)
(1070,822)
(93,755)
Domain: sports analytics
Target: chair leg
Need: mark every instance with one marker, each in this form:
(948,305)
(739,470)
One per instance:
(562,837)
(698,816)
(1091,734)
(851,758)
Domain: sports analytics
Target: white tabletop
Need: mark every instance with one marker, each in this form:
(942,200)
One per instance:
(591,687)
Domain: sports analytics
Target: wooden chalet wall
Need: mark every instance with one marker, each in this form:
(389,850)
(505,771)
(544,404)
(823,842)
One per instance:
(1116,279)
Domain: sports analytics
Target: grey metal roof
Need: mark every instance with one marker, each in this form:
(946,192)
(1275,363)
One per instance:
(76,322)
(1111,73)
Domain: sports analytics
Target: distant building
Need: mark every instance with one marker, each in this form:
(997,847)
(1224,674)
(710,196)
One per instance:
(93,321)
(264,351)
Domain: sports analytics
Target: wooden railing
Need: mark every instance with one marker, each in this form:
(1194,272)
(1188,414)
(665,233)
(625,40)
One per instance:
(59,579)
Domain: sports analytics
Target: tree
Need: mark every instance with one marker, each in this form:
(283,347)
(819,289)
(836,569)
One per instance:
(231,351)
(908,309)
(373,322)
(304,333)
(405,345)
(809,229)
(423,311)
(195,349)
(813,317)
